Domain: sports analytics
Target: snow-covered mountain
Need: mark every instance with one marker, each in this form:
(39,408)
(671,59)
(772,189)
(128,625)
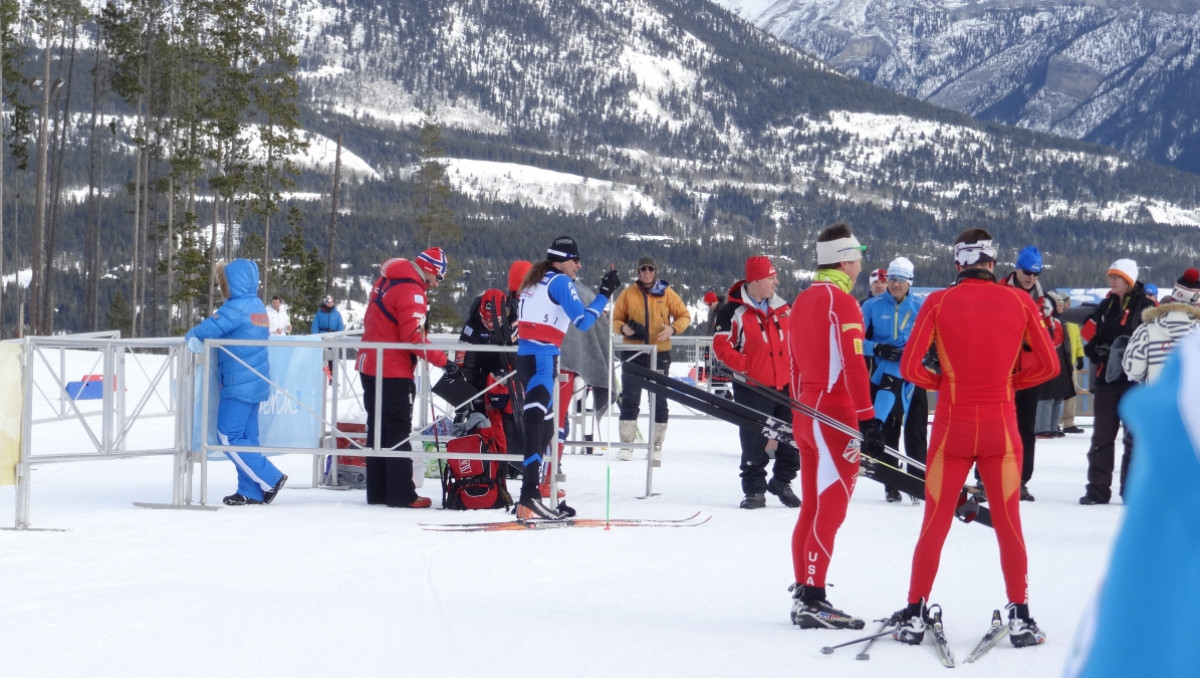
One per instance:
(1121,73)
(679,98)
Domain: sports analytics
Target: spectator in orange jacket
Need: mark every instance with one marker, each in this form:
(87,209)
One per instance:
(647,312)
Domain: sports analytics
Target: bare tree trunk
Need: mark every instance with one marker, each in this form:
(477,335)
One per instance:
(333,213)
(137,212)
(91,262)
(56,193)
(39,210)
(170,253)
(139,319)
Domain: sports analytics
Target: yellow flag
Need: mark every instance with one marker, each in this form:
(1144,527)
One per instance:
(12,382)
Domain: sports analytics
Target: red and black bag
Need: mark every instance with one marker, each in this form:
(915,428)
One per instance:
(473,483)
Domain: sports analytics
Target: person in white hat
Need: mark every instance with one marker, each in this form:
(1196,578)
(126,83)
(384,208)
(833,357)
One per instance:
(1107,334)
(888,321)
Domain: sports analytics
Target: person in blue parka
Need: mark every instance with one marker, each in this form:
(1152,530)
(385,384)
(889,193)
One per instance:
(243,376)
(888,320)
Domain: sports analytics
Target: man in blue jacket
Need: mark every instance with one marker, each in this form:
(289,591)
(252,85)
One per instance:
(328,318)
(243,375)
(888,320)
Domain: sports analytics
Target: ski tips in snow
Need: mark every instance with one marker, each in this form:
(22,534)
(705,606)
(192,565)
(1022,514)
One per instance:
(693,520)
(994,634)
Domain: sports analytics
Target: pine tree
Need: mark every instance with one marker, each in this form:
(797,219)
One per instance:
(436,224)
(301,276)
(120,315)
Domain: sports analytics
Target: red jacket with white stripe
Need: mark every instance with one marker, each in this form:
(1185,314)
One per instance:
(826,342)
(396,315)
(752,342)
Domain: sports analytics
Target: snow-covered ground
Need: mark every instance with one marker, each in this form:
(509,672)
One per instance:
(320,584)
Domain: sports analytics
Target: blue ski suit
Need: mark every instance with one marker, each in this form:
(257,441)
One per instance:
(243,386)
(888,323)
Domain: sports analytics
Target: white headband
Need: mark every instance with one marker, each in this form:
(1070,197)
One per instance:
(968,253)
(837,251)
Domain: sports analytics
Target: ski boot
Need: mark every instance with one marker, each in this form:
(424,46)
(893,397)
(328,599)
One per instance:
(810,610)
(1023,631)
(910,623)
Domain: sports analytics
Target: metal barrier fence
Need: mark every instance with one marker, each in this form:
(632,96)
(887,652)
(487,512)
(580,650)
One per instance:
(112,419)
(168,390)
(106,423)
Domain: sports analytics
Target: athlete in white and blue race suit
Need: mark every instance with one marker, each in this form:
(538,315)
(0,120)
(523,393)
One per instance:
(243,372)
(888,322)
(549,303)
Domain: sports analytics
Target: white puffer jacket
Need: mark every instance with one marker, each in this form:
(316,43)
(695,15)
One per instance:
(1162,327)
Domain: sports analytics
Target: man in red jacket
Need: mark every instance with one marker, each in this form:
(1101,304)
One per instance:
(979,329)
(750,337)
(830,375)
(396,315)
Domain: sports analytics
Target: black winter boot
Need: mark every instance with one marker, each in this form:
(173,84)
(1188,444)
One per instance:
(784,491)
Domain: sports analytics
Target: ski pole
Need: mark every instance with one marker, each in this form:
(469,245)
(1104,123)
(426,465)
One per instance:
(884,628)
(829,649)
(813,413)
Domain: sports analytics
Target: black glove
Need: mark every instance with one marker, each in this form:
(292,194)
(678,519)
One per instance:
(872,433)
(451,370)
(932,361)
(889,352)
(609,283)
(1079,364)
(1098,353)
(638,330)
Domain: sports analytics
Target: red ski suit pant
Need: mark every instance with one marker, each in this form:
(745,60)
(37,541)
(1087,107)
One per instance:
(964,435)
(828,472)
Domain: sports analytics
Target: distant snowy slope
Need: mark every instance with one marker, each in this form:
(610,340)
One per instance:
(1123,74)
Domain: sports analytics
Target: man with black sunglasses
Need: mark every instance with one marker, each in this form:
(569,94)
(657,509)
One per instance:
(649,312)
(1026,277)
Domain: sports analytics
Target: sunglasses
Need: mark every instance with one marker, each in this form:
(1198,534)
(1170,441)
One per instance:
(646,268)
(1030,273)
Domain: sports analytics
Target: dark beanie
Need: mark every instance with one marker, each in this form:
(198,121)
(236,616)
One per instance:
(563,249)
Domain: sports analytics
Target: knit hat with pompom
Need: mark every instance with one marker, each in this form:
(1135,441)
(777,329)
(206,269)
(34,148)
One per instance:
(1187,288)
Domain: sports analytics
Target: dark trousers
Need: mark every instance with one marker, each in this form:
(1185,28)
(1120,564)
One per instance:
(916,429)
(390,479)
(754,446)
(1026,401)
(631,396)
(1102,454)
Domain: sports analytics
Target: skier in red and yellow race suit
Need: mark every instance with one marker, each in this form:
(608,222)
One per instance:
(829,375)
(990,343)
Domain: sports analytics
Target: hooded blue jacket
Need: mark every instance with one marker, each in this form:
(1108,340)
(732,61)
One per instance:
(242,316)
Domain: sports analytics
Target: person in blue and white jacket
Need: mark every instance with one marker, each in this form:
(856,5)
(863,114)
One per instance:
(243,374)
(549,304)
(888,320)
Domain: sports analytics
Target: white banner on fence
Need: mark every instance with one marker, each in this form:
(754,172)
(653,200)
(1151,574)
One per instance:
(11,381)
(282,422)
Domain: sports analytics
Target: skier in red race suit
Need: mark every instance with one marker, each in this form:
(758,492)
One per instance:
(830,375)
(990,343)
